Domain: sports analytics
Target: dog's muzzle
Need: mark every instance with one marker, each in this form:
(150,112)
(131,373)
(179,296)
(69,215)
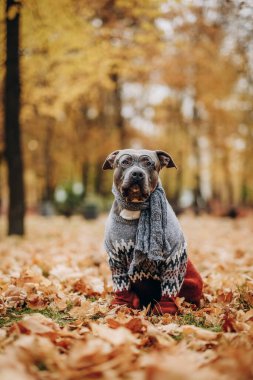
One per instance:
(135,185)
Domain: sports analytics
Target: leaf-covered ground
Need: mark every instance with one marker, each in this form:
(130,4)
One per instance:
(56,321)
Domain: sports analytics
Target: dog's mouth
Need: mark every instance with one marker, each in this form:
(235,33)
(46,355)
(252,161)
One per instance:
(134,194)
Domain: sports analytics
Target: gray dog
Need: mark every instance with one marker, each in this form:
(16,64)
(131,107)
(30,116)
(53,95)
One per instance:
(144,241)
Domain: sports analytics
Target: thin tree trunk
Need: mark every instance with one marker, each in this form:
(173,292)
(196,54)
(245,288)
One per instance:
(118,108)
(228,180)
(179,181)
(49,185)
(99,180)
(12,126)
(1,160)
(85,176)
(198,199)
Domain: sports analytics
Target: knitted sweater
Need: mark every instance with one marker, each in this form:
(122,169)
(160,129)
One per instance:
(120,237)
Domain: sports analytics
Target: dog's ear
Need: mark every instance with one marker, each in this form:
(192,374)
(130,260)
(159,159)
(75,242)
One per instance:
(165,159)
(108,164)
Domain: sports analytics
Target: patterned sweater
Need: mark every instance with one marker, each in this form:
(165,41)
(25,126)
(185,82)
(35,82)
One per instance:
(120,237)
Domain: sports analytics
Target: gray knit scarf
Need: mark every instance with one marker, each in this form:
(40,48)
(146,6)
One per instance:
(152,239)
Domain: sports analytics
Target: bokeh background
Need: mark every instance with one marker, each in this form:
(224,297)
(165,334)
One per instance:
(96,76)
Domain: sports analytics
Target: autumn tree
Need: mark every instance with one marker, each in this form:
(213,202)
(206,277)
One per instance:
(203,78)
(61,78)
(13,151)
(90,69)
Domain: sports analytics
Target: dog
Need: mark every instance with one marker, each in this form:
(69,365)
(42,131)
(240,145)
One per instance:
(143,238)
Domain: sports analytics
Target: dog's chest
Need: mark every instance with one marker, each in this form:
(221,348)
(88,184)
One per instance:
(130,215)
(120,233)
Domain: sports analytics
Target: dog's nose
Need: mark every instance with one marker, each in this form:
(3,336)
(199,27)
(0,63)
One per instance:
(137,175)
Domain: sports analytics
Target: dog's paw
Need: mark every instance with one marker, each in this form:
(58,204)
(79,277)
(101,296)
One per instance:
(127,298)
(165,306)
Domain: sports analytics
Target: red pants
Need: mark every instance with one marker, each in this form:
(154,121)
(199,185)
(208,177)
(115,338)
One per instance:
(149,291)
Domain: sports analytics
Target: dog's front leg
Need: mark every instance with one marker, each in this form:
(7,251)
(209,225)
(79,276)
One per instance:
(172,277)
(192,286)
(123,295)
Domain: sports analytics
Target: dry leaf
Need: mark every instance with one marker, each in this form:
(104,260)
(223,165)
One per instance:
(60,268)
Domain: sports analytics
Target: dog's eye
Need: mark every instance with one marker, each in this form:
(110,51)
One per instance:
(126,162)
(145,162)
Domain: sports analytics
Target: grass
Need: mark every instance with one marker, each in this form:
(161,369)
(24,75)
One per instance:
(15,315)
(96,316)
(191,319)
(92,298)
(245,299)
(177,337)
(41,366)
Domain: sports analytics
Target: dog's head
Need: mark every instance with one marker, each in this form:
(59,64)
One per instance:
(136,172)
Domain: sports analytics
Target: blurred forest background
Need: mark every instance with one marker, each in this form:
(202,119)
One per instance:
(81,78)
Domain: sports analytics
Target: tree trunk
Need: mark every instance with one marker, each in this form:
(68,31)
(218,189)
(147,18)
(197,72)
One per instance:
(198,202)
(1,160)
(179,180)
(49,183)
(98,178)
(228,179)
(85,176)
(11,123)
(118,108)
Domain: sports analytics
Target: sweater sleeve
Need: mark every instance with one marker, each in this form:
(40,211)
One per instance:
(119,246)
(173,271)
(119,269)
(174,268)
